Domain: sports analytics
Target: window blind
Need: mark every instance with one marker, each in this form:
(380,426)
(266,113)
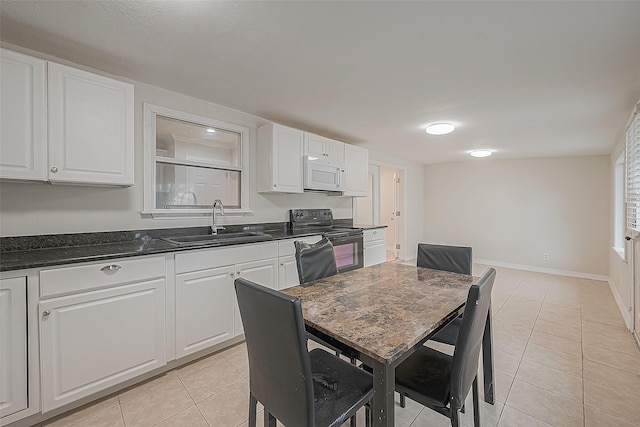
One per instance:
(632,191)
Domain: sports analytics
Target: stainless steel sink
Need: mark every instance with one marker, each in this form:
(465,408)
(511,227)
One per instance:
(213,239)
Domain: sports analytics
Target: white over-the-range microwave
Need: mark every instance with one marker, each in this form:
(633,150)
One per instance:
(322,174)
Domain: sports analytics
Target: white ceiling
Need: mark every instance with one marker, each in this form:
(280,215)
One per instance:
(526,79)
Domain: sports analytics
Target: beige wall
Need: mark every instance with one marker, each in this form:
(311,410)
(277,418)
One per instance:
(30,209)
(514,211)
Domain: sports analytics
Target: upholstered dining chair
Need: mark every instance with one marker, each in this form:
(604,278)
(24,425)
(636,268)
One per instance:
(457,259)
(295,386)
(315,260)
(442,382)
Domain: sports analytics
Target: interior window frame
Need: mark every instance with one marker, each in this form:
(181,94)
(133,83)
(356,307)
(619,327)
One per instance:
(151,112)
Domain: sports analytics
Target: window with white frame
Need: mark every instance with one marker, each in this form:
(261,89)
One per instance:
(190,161)
(618,206)
(632,192)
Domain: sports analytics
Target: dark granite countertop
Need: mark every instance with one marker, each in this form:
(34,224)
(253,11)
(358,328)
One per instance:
(19,253)
(368,226)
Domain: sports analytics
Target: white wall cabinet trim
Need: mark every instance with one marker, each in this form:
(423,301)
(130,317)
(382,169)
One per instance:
(13,346)
(91,125)
(23,147)
(280,159)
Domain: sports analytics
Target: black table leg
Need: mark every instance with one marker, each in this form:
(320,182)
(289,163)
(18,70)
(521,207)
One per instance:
(383,402)
(487,361)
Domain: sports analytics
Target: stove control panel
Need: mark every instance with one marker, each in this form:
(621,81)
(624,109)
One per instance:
(310,217)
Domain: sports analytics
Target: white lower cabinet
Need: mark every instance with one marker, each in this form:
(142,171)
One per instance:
(375,246)
(110,331)
(288,272)
(263,272)
(204,309)
(13,345)
(206,306)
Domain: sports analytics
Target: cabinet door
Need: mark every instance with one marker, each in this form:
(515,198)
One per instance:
(264,272)
(90,128)
(287,272)
(279,159)
(334,149)
(94,340)
(13,345)
(204,309)
(376,253)
(23,128)
(356,162)
(314,145)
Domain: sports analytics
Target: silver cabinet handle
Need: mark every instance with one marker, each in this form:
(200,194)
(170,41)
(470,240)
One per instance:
(112,267)
(231,274)
(54,169)
(46,313)
(375,232)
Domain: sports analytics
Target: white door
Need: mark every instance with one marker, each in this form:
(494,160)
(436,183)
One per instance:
(264,272)
(90,128)
(13,345)
(23,129)
(204,309)
(94,340)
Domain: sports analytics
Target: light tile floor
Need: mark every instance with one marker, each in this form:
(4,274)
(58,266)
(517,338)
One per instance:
(563,357)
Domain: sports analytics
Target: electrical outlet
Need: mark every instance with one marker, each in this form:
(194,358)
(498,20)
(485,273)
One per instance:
(546,257)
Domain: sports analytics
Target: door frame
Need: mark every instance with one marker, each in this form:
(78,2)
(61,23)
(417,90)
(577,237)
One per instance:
(401,227)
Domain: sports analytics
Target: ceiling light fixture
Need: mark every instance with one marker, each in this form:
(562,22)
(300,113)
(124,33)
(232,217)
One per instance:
(440,128)
(211,130)
(481,153)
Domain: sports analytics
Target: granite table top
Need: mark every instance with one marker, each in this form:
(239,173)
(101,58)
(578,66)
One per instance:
(384,310)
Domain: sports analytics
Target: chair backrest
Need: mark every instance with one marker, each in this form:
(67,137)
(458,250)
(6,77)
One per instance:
(279,364)
(315,260)
(467,350)
(457,259)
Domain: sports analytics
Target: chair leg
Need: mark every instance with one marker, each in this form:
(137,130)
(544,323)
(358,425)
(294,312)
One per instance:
(367,416)
(269,420)
(403,401)
(352,421)
(455,418)
(476,403)
(253,404)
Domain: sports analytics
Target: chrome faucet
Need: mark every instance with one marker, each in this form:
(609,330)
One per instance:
(214,227)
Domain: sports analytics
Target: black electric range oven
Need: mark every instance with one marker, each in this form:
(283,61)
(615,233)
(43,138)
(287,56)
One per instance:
(348,242)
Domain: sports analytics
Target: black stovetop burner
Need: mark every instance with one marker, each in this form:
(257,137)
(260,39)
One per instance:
(320,221)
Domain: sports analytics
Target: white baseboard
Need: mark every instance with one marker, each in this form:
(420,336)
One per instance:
(542,270)
(626,313)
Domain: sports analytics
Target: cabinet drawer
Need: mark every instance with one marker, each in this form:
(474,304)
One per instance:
(286,247)
(189,261)
(374,234)
(86,277)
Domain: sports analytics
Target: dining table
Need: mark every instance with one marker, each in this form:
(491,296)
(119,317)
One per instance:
(382,314)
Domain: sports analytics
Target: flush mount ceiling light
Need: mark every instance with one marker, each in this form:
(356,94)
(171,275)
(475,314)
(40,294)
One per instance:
(440,128)
(481,153)
(211,130)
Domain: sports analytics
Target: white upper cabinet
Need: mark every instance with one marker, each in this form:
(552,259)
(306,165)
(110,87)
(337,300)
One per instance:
(320,146)
(356,163)
(23,118)
(90,128)
(279,159)
(77,130)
